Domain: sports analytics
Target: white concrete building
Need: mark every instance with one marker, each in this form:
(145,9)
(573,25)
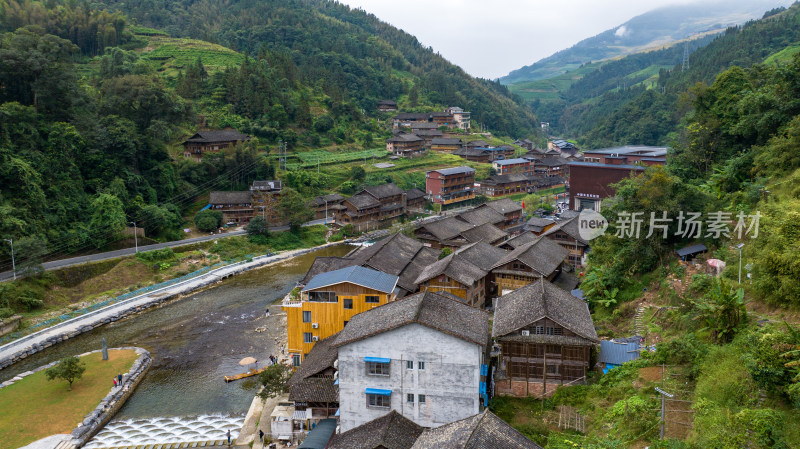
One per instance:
(422,356)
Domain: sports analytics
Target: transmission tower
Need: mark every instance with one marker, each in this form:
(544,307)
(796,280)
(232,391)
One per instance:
(685,57)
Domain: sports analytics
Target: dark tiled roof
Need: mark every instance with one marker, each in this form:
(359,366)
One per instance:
(538,224)
(542,255)
(503,206)
(569,227)
(463,170)
(243,197)
(478,143)
(486,232)
(390,431)
(481,215)
(521,240)
(365,277)
(413,194)
(383,190)
(453,266)
(446,228)
(428,309)
(387,103)
(446,141)
(434,133)
(447,294)
(482,431)
(399,255)
(538,300)
(404,138)
(693,249)
(332,198)
(363,201)
(566,281)
(223,135)
(470,152)
(481,254)
(314,389)
(551,161)
(504,179)
(424,126)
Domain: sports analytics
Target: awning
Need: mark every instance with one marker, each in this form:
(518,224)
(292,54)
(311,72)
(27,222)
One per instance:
(378,391)
(285,437)
(377,359)
(336,382)
(337,412)
(299,415)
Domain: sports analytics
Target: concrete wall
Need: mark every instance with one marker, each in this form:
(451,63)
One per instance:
(450,380)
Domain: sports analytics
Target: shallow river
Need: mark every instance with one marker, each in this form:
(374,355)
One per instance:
(195,341)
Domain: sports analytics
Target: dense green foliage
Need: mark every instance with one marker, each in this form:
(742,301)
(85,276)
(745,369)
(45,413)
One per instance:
(351,56)
(69,369)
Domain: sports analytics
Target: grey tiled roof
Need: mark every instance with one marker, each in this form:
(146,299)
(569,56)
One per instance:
(424,126)
(503,179)
(274,184)
(446,228)
(486,232)
(566,281)
(470,152)
(481,254)
(223,135)
(332,198)
(383,190)
(390,431)
(481,216)
(413,194)
(446,141)
(364,277)
(542,255)
(482,431)
(314,389)
(569,227)
(520,240)
(503,206)
(538,300)
(405,138)
(428,309)
(399,255)
(241,197)
(323,265)
(453,266)
(363,201)
(478,143)
(538,223)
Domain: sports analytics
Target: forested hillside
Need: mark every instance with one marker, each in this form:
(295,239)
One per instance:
(621,116)
(93,108)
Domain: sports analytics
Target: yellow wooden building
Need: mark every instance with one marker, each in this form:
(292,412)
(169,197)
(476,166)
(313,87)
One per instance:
(328,302)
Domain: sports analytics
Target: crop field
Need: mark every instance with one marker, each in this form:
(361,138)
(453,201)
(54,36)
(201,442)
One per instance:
(169,55)
(323,157)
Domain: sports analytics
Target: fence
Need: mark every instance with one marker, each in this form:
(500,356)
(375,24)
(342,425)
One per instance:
(76,313)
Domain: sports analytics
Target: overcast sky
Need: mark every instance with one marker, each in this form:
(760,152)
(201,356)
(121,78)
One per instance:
(489,38)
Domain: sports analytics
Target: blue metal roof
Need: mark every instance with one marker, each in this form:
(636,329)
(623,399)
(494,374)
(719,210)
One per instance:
(365,277)
(378,391)
(597,164)
(617,353)
(377,359)
(455,170)
(518,160)
(320,436)
(694,249)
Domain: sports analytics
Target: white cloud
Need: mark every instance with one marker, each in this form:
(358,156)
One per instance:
(621,31)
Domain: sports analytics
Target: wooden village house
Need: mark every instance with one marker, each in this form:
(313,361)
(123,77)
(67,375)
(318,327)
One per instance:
(203,142)
(546,336)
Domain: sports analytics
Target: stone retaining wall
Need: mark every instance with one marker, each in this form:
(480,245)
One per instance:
(157,298)
(110,404)
(10,324)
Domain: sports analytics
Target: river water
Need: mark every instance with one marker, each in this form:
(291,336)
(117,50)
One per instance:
(195,341)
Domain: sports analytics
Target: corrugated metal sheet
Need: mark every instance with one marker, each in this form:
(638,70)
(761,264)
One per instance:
(365,277)
(617,353)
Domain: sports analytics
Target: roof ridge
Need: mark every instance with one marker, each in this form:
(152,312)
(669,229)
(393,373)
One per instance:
(478,424)
(389,422)
(544,302)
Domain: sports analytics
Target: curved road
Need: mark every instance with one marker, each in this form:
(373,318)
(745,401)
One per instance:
(62,263)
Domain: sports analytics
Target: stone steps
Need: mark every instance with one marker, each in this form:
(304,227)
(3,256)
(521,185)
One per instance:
(639,327)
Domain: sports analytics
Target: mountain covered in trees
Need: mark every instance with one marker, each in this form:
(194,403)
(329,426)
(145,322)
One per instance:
(650,30)
(95,98)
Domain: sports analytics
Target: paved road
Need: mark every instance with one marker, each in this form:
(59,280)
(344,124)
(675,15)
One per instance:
(62,263)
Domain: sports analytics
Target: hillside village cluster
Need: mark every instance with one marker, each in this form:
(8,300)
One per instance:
(391,343)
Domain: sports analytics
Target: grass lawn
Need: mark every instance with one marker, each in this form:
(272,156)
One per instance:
(34,407)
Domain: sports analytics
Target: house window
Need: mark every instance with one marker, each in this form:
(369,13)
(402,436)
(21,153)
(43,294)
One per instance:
(307,337)
(410,398)
(410,364)
(540,330)
(558,331)
(296,359)
(549,331)
(421,398)
(420,365)
(553,349)
(379,400)
(322,296)
(306,316)
(552,369)
(377,369)
(372,299)
(347,303)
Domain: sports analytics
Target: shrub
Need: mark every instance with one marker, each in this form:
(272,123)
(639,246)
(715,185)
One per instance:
(6,312)
(208,220)
(156,255)
(724,378)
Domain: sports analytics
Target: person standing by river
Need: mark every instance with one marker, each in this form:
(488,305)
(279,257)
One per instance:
(229,437)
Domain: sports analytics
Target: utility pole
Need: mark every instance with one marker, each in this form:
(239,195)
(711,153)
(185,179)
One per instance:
(739,247)
(135,237)
(664,395)
(13,262)
(326,212)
